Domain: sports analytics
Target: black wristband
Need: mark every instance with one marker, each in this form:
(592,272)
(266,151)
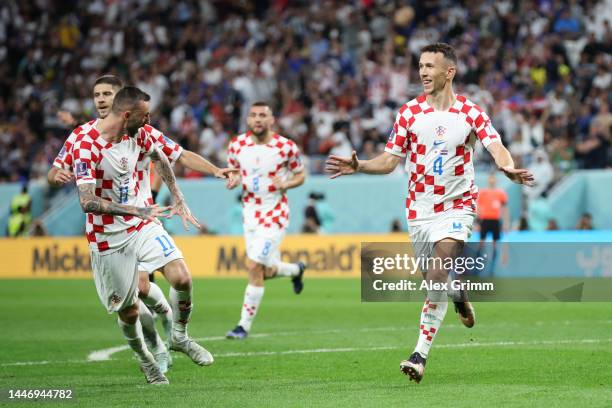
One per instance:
(154,195)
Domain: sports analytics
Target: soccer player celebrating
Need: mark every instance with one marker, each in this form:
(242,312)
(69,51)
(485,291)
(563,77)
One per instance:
(119,227)
(437,131)
(269,165)
(104,91)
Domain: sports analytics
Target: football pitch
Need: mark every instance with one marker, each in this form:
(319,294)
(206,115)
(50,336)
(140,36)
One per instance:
(322,348)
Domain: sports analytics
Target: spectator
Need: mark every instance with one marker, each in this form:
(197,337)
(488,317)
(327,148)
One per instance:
(396,225)
(38,229)
(585,222)
(542,167)
(354,66)
(312,221)
(492,213)
(552,225)
(20,217)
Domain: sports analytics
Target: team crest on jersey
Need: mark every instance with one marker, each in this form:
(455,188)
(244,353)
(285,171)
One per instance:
(81,169)
(124,163)
(115,298)
(440,132)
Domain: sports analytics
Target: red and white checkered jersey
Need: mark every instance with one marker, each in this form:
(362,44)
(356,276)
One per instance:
(263,205)
(63,160)
(439,146)
(164,144)
(112,168)
(167,146)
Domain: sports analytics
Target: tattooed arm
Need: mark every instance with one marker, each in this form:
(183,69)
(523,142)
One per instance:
(90,203)
(162,166)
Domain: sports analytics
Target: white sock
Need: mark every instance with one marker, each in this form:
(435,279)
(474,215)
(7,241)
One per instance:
(133,335)
(148,329)
(432,316)
(454,295)
(180,300)
(250,306)
(287,269)
(158,303)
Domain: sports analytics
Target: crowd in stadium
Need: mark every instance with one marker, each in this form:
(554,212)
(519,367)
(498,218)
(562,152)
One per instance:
(336,72)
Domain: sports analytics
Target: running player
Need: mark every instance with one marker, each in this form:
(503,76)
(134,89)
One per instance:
(104,92)
(437,131)
(119,227)
(269,165)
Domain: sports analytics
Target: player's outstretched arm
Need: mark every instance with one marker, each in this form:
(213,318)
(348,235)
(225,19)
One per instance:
(504,162)
(163,168)
(90,203)
(338,166)
(58,177)
(198,163)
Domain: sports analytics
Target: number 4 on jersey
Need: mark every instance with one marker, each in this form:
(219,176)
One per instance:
(437,166)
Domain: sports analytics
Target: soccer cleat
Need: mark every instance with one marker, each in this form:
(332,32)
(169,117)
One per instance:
(466,313)
(163,360)
(196,353)
(298,283)
(153,373)
(414,367)
(237,334)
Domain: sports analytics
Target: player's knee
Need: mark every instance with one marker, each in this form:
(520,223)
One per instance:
(178,275)
(256,273)
(143,284)
(270,272)
(129,314)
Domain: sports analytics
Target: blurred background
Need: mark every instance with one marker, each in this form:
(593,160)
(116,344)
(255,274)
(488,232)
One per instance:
(335,72)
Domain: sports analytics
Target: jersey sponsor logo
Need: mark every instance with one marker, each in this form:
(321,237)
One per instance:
(81,169)
(438,142)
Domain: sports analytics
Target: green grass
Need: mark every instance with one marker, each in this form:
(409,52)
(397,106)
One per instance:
(62,322)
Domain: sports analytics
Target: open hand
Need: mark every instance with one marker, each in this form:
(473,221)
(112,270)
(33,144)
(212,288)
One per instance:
(152,212)
(519,176)
(181,209)
(341,166)
(232,181)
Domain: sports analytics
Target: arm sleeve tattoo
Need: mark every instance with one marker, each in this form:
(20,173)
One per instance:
(94,204)
(163,168)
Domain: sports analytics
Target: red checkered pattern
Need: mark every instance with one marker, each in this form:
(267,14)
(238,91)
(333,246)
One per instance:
(111,167)
(250,310)
(164,144)
(64,158)
(439,148)
(264,206)
(428,331)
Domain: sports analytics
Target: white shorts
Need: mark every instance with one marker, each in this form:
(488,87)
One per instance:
(263,245)
(456,224)
(157,248)
(116,274)
(116,277)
